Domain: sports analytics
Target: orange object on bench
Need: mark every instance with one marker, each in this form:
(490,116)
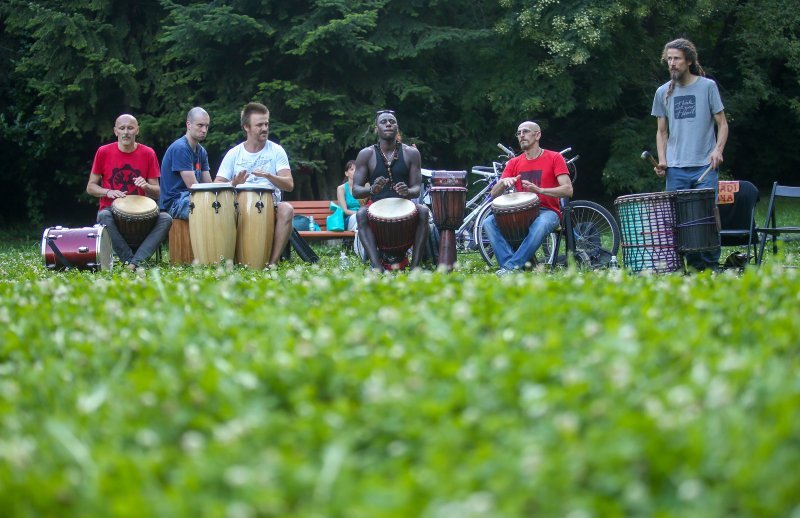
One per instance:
(320,210)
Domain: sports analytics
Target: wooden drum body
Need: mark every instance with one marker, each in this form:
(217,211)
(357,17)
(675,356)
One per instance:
(212,222)
(255,225)
(647,223)
(448,205)
(393,221)
(514,214)
(135,217)
(86,248)
(698,220)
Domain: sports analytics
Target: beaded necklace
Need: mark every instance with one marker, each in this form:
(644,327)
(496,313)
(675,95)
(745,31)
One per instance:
(389,163)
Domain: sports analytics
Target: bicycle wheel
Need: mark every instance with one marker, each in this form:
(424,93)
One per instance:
(479,236)
(596,234)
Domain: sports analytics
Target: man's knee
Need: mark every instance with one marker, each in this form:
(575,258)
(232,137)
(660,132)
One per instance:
(284,212)
(105,217)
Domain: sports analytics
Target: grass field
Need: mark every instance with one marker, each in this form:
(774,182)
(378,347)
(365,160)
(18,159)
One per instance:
(311,391)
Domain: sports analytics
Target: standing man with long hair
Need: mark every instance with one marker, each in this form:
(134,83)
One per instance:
(688,107)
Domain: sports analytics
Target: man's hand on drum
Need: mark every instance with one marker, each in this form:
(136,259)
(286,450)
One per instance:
(402,189)
(241,176)
(531,187)
(509,182)
(114,194)
(139,182)
(377,187)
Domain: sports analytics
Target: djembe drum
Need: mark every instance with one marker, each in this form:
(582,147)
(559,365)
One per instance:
(255,225)
(647,223)
(393,221)
(212,222)
(85,248)
(135,217)
(448,201)
(514,213)
(698,220)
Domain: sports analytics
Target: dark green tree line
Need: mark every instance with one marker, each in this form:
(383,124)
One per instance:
(461,75)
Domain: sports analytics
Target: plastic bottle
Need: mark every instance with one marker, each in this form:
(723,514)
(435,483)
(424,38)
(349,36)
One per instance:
(311,223)
(613,264)
(344,261)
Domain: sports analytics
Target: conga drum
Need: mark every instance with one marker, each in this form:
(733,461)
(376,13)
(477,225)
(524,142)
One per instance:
(448,204)
(85,248)
(514,214)
(647,223)
(698,220)
(255,225)
(212,222)
(135,217)
(394,223)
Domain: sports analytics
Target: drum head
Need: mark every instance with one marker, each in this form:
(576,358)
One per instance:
(515,199)
(392,208)
(251,187)
(104,247)
(135,204)
(213,186)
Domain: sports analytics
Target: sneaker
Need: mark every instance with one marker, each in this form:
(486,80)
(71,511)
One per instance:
(505,271)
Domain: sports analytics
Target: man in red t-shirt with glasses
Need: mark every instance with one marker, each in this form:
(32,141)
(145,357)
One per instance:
(121,168)
(539,171)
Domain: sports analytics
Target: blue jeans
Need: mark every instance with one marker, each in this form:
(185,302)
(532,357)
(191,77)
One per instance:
(511,259)
(686,178)
(180,207)
(149,245)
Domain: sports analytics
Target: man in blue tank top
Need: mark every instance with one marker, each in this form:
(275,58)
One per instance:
(687,108)
(392,170)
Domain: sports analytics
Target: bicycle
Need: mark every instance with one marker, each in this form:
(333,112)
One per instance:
(588,230)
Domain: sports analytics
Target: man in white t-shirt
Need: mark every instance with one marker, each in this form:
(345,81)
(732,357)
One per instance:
(257,161)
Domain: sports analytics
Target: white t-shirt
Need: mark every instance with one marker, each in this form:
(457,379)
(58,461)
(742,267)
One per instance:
(271,159)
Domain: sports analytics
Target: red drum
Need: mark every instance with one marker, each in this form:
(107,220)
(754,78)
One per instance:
(514,214)
(135,217)
(449,178)
(698,220)
(394,223)
(86,248)
(448,205)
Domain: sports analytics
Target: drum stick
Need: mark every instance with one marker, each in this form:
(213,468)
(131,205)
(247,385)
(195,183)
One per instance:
(703,176)
(647,156)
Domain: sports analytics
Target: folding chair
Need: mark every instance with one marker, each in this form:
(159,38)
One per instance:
(771,227)
(737,210)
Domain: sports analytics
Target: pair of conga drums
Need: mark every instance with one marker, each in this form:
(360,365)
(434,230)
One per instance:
(85,248)
(657,227)
(393,222)
(448,201)
(514,213)
(231,224)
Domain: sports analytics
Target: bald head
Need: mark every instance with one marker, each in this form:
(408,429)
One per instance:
(197,123)
(126,128)
(528,135)
(196,112)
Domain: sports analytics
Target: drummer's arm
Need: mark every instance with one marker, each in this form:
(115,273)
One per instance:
(564,189)
(150,186)
(414,171)
(98,191)
(283,180)
(205,177)
(361,175)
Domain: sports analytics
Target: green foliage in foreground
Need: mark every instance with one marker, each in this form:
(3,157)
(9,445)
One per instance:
(314,392)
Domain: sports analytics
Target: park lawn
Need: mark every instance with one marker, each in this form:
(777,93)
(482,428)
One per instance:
(312,391)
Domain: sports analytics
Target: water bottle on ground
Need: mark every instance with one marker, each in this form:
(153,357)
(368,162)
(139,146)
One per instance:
(344,261)
(613,264)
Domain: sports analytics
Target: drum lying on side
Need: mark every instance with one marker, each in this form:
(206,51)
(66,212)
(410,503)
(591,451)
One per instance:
(698,220)
(514,213)
(255,225)
(212,222)
(394,223)
(85,248)
(647,223)
(135,217)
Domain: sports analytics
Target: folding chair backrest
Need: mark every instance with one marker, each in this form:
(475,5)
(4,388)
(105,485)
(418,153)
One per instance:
(737,218)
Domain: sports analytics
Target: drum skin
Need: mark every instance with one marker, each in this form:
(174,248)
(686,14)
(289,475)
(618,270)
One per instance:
(212,222)
(514,214)
(698,220)
(394,223)
(448,205)
(255,225)
(86,248)
(135,217)
(647,224)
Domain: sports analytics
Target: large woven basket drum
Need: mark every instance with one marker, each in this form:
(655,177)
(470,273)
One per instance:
(255,225)
(514,213)
(212,222)
(647,223)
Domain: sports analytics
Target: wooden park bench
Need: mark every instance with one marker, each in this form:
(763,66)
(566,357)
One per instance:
(320,210)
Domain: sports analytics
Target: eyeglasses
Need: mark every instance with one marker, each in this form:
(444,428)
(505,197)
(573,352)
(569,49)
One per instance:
(525,131)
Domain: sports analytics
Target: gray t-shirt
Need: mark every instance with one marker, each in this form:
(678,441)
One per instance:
(690,113)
